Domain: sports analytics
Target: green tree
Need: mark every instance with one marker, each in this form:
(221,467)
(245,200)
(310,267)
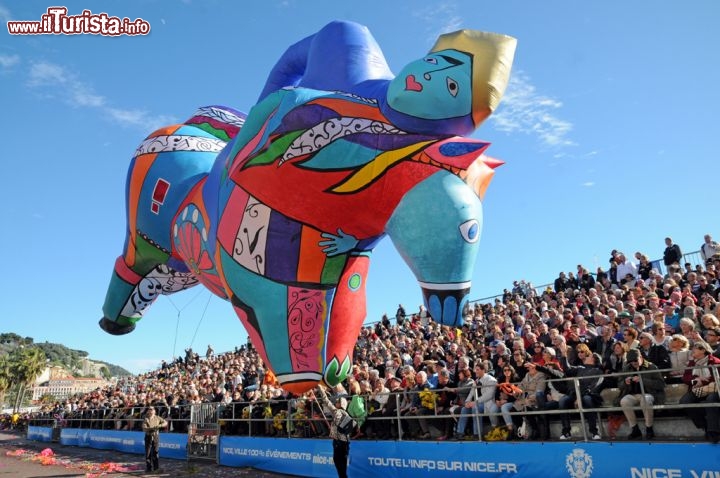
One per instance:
(26,364)
(105,373)
(4,378)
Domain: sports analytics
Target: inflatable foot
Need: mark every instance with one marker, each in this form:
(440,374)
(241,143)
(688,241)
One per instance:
(115,328)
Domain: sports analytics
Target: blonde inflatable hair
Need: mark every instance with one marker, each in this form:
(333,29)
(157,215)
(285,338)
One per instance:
(492,57)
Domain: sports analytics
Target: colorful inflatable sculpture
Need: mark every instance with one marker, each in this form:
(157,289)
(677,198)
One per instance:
(278,211)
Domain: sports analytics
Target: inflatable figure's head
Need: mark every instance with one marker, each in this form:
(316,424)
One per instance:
(464,76)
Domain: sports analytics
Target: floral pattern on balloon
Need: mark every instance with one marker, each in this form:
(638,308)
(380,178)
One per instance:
(305,316)
(190,239)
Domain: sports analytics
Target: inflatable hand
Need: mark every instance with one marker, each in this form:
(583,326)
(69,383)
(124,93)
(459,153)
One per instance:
(339,244)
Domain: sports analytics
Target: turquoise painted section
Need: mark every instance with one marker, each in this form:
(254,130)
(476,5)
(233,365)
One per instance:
(115,302)
(270,111)
(336,156)
(438,86)
(427,229)
(191,130)
(269,300)
(182,170)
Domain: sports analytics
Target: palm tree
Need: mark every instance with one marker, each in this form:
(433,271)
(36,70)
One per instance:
(4,378)
(26,365)
(15,375)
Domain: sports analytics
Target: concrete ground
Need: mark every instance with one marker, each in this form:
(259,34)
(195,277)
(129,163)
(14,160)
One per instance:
(19,459)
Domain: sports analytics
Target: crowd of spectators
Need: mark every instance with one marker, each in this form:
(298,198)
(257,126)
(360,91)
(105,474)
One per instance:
(505,359)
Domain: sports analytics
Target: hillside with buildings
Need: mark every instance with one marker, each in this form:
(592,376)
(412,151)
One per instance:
(75,362)
(65,371)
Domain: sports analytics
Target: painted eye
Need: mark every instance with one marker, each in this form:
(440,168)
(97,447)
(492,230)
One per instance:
(431,60)
(452,86)
(470,231)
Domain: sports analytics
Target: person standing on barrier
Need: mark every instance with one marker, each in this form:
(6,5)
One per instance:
(151,426)
(341,441)
(708,248)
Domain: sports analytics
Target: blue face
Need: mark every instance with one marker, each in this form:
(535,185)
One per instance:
(436,87)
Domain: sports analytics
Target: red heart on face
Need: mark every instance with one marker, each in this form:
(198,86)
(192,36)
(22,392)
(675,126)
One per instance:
(411,84)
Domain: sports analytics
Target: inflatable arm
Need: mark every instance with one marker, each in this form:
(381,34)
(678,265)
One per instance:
(289,69)
(337,58)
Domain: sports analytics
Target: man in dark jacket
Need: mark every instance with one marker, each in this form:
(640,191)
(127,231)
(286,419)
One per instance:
(561,283)
(603,343)
(653,353)
(589,375)
(400,315)
(633,394)
(672,254)
(446,397)
(387,427)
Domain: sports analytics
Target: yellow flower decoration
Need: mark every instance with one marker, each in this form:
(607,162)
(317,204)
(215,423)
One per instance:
(427,399)
(279,420)
(299,417)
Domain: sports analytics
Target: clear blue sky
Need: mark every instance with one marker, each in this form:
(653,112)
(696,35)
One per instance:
(608,131)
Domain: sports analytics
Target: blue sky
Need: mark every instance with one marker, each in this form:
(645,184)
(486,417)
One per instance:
(607,130)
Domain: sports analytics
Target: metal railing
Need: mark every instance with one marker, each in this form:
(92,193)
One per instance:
(287,418)
(125,418)
(694,258)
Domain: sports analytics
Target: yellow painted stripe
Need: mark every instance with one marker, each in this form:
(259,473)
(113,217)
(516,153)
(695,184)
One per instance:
(377,167)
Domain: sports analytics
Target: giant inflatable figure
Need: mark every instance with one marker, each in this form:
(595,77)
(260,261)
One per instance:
(278,212)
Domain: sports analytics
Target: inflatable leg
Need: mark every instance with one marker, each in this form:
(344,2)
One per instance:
(126,298)
(133,289)
(346,318)
(286,323)
(167,167)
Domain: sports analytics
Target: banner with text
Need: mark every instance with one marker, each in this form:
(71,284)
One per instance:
(566,460)
(282,455)
(172,445)
(313,458)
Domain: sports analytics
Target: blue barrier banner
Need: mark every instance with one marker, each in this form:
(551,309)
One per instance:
(74,437)
(567,460)
(172,445)
(281,455)
(127,442)
(39,433)
(434,459)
